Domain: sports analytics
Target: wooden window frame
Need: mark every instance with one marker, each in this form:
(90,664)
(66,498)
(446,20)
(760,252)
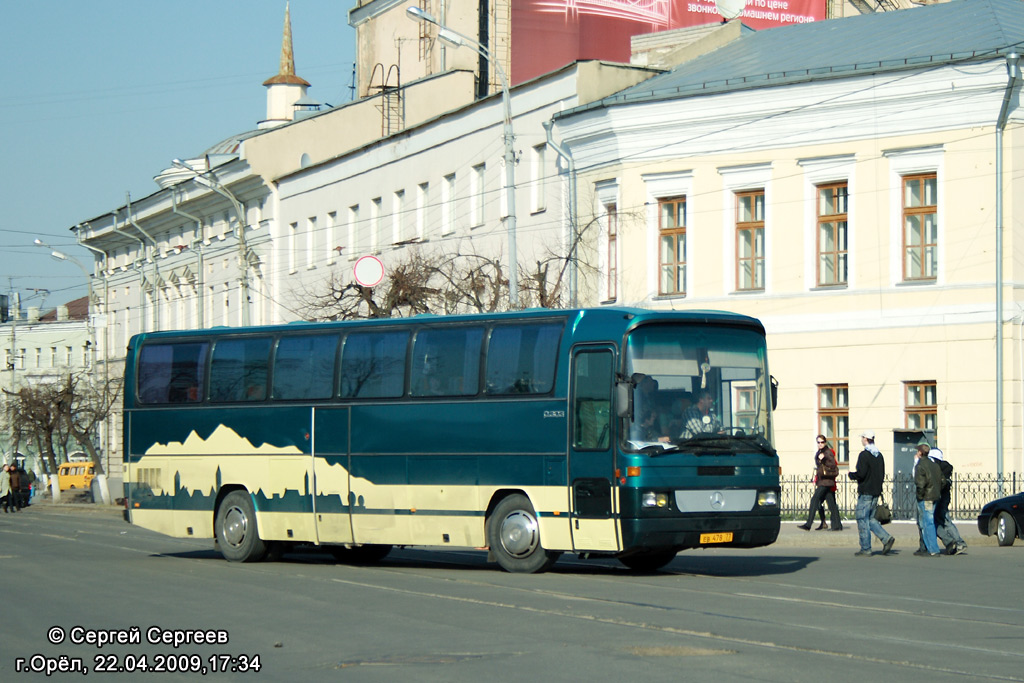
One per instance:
(674,233)
(921,412)
(755,227)
(838,223)
(832,413)
(927,251)
(612,213)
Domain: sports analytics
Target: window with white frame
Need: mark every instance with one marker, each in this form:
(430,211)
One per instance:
(353,227)
(312,240)
(375,208)
(746,224)
(612,223)
(538,188)
(476,195)
(667,238)
(398,218)
(331,237)
(422,199)
(915,182)
(448,204)
(293,247)
(607,207)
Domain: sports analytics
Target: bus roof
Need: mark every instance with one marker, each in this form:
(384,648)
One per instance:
(631,314)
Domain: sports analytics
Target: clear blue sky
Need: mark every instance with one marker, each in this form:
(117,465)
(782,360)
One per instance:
(98,96)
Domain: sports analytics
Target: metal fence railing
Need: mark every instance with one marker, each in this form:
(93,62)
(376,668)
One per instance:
(968,494)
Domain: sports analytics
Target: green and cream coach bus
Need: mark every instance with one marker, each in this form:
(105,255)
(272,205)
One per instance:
(606,432)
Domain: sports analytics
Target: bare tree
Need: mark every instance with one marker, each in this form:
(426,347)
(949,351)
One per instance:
(87,404)
(75,405)
(443,282)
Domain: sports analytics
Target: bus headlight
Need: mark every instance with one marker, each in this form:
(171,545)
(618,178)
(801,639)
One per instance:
(767,498)
(650,499)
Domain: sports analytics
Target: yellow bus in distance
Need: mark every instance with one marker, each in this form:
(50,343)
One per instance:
(75,475)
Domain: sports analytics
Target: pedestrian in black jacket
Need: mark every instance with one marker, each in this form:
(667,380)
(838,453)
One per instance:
(869,475)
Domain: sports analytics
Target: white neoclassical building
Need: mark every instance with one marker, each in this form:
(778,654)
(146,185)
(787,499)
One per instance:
(855,184)
(232,235)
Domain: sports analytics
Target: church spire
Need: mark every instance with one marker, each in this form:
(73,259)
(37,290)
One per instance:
(285,89)
(286,72)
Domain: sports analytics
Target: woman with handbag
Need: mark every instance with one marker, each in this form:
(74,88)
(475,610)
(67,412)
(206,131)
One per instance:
(826,471)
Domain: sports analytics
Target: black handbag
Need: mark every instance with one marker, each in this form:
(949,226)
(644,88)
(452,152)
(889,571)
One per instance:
(882,512)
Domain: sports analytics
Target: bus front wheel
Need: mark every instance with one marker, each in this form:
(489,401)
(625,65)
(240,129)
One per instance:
(235,526)
(514,537)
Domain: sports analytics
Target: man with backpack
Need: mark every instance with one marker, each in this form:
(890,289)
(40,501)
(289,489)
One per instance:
(944,527)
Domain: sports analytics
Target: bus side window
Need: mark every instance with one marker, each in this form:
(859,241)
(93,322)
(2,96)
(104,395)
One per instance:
(304,367)
(373,365)
(171,373)
(521,359)
(238,370)
(592,400)
(446,362)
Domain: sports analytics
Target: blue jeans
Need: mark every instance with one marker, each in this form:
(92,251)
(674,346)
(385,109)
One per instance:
(926,523)
(867,524)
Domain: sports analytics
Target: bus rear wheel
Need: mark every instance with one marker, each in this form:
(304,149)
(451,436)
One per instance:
(514,537)
(648,561)
(235,526)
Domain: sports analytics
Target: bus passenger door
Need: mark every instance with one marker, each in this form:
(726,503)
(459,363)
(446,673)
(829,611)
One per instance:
(591,456)
(331,475)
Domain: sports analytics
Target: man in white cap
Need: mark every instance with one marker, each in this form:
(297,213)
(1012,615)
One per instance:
(869,475)
(944,527)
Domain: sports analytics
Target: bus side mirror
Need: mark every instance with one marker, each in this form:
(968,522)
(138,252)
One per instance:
(775,391)
(624,399)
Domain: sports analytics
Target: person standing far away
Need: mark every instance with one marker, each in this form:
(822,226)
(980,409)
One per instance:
(944,527)
(826,471)
(5,487)
(869,475)
(14,499)
(928,482)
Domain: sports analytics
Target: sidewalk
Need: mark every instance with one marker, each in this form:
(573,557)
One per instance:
(791,535)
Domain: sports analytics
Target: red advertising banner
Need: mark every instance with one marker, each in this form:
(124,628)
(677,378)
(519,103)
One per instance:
(548,34)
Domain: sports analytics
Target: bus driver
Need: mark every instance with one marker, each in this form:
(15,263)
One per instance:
(699,419)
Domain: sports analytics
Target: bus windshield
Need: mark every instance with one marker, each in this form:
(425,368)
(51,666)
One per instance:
(697,387)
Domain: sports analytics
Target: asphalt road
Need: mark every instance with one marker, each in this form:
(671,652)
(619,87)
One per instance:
(804,609)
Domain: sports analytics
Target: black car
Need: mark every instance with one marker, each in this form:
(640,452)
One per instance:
(1003,517)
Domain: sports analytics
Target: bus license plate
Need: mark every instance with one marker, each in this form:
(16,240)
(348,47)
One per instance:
(724,537)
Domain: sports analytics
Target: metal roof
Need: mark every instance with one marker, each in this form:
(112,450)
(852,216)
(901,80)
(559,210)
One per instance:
(961,30)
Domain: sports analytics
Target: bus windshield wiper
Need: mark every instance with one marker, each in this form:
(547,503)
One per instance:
(728,442)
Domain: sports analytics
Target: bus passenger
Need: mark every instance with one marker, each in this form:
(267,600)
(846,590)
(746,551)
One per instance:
(647,425)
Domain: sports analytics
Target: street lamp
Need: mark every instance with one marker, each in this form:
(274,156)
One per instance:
(456,39)
(61,256)
(243,250)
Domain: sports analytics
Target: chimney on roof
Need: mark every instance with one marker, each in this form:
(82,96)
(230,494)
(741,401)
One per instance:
(284,89)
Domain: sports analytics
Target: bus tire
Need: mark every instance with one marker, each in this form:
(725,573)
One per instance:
(360,554)
(235,526)
(649,560)
(514,537)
